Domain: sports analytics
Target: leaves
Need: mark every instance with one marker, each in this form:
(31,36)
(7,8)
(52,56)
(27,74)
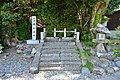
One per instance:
(85,56)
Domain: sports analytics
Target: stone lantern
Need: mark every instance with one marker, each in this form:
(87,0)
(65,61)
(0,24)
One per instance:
(101,32)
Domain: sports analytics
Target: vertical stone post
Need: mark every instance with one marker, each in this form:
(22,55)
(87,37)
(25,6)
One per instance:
(44,30)
(42,37)
(54,32)
(78,35)
(75,30)
(34,31)
(64,32)
(33,27)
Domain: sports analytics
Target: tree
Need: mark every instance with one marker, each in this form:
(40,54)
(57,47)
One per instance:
(8,19)
(113,5)
(98,11)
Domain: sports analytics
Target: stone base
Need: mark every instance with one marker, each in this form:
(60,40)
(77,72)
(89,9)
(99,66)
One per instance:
(32,41)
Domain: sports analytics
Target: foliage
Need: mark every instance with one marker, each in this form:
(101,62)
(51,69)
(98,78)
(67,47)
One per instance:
(1,47)
(23,30)
(118,32)
(96,19)
(113,5)
(89,44)
(115,43)
(84,37)
(116,53)
(60,35)
(8,18)
(105,19)
(59,14)
(49,31)
(85,56)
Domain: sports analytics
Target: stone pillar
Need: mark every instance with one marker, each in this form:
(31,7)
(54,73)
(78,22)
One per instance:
(77,37)
(33,27)
(34,31)
(42,37)
(54,32)
(75,31)
(64,32)
(44,29)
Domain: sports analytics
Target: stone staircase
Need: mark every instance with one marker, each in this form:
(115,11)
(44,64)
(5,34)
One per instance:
(60,57)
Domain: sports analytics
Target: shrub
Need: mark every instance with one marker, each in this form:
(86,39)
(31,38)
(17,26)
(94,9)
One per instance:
(1,47)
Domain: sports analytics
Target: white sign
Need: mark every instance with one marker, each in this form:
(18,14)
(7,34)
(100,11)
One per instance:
(33,27)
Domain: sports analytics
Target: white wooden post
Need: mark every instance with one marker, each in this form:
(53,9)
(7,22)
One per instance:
(64,32)
(42,37)
(78,35)
(44,29)
(75,31)
(54,32)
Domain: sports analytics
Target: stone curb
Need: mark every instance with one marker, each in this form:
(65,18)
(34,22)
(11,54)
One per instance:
(34,68)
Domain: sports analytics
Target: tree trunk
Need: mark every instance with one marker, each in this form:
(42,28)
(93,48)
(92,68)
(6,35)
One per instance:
(99,7)
(80,20)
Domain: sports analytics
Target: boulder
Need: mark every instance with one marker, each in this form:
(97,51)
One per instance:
(98,71)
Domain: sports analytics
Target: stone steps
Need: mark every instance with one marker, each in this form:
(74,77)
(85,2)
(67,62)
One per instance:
(59,47)
(59,63)
(64,68)
(61,72)
(59,43)
(59,56)
(48,51)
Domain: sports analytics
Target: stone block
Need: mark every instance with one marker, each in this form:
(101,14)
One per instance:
(32,41)
(85,70)
(35,64)
(34,68)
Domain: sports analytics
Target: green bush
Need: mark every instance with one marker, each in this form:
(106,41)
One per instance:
(90,44)
(86,55)
(1,47)
(23,30)
(118,32)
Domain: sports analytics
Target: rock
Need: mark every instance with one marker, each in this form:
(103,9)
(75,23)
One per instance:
(117,63)
(19,51)
(99,54)
(100,48)
(94,60)
(92,51)
(34,68)
(19,45)
(109,48)
(33,51)
(86,77)
(113,63)
(27,56)
(109,70)
(98,71)
(2,74)
(117,59)
(84,62)
(27,51)
(111,57)
(85,70)
(8,75)
(13,44)
(104,63)
(116,68)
